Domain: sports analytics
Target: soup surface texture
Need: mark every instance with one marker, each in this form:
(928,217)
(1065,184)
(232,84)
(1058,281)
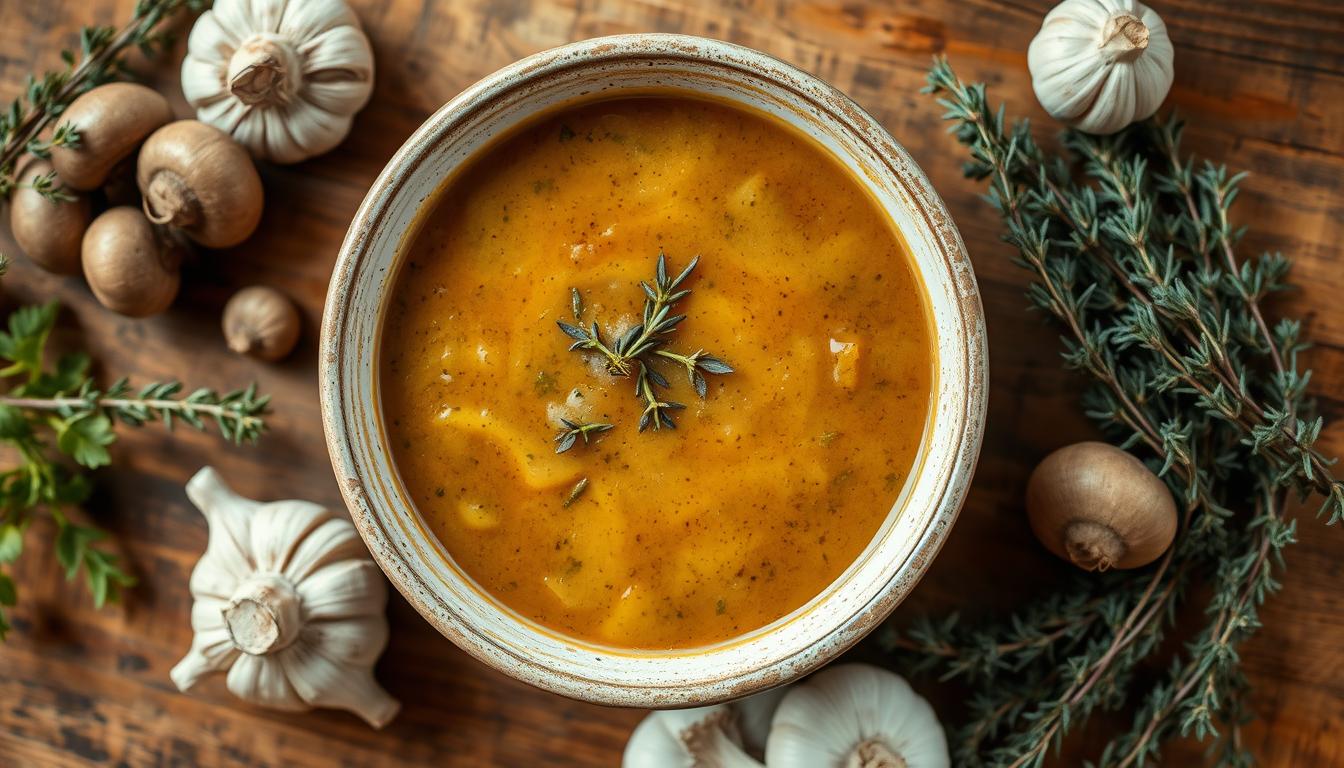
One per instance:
(770,486)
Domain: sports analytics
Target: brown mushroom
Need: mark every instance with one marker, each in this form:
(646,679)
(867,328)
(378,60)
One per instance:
(195,177)
(111,120)
(1099,507)
(48,231)
(262,322)
(131,267)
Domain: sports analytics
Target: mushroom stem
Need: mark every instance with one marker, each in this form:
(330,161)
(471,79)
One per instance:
(261,72)
(263,615)
(1093,546)
(169,200)
(1124,37)
(244,344)
(873,753)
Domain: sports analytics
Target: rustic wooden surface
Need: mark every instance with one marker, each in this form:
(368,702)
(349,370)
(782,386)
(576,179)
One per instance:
(1262,84)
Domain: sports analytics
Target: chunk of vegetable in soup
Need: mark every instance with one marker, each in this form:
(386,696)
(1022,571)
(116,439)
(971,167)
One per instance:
(770,486)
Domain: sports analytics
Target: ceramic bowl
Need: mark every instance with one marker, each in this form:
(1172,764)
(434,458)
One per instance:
(408,551)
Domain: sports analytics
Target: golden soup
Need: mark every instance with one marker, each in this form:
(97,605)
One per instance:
(770,486)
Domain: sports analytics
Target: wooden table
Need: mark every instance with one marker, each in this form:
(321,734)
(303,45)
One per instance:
(1262,85)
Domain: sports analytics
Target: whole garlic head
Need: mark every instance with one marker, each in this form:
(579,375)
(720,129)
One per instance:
(1100,65)
(289,603)
(855,716)
(284,77)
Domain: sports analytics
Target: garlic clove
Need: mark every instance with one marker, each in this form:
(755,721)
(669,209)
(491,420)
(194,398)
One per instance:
(211,651)
(333,541)
(211,41)
(339,57)
(356,641)
(346,589)
(256,679)
(234,21)
(322,682)
(754,716)
(226,561)
(280,528)
(199,90)
(704,737)
(309,19)
(322,130)
(855,716)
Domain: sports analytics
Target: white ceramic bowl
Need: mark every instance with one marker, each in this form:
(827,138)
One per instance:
(417,562)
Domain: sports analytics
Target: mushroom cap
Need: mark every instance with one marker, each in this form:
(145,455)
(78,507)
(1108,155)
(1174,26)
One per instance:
(195,177)
(128,268)
(261,321)
(47,231)
(112,120)
(1100,507)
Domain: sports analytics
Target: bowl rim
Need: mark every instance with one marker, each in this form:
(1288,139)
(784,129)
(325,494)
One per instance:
(896,163)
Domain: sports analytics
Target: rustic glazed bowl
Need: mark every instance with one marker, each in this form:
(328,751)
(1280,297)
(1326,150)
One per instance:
(417,562)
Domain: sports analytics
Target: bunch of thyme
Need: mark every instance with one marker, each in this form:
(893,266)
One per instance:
(640,347)
(44,99)
(59,407)
(1136,259)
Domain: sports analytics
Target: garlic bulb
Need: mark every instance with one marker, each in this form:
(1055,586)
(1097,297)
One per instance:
(855,716)
(289,603)
(719,736)
(284,77)
(1100,65)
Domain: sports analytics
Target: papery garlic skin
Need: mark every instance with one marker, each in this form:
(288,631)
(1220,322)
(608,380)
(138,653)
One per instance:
(284,77)
(287,602)
(1100,65)
(855,716)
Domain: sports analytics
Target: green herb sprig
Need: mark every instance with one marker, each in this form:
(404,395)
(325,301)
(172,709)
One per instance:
(54,416)
(575,430)
(46,97)
(1137,262)
(638,349)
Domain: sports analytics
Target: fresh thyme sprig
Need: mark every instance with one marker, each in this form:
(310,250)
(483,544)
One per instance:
(59,407)
(45,98)
(640,346)
(1140,269)
(574,430)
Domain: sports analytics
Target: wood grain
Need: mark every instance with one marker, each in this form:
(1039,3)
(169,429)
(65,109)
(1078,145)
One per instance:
(1262,85)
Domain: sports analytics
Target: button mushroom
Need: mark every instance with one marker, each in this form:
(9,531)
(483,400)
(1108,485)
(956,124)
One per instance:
(262,322)
(48,231)
(131,267)
(194,177)
(1099,507)
(111,120)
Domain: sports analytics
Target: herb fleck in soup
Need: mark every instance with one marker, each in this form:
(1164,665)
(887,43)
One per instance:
(769,486)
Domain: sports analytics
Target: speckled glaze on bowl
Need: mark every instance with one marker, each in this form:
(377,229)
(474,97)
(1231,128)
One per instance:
(417,562)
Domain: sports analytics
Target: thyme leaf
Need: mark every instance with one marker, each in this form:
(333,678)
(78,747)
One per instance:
(575,493)
(574,430)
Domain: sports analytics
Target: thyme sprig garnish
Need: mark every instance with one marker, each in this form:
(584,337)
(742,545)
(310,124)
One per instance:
(58,421)
(575,430)
(637,349)
(1138,264)
(45,98)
